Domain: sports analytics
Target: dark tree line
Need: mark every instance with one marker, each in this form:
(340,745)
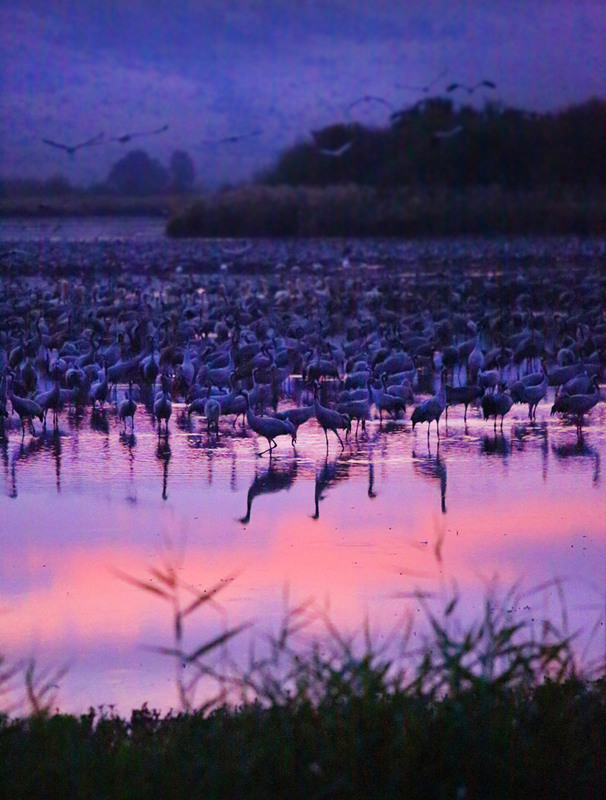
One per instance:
(137,175)
(436,143)
(134,175)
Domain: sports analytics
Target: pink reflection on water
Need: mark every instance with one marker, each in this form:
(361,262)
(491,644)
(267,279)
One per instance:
(355,531)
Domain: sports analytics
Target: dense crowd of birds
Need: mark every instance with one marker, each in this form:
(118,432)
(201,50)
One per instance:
(363,339)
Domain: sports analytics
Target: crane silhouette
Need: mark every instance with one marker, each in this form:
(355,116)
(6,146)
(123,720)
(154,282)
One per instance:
(496,405)
(273,479)
(71,149)
(331,473)
(329,419)
(577,405)
(269,427)
(234,137)
(127,137)
(128,407)
(430,410)
(470,89)
(366,100)
(427,87)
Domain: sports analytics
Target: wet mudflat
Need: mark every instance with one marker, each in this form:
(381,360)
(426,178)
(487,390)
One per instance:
(360,529)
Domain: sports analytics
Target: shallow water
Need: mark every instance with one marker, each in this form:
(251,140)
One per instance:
(359,530)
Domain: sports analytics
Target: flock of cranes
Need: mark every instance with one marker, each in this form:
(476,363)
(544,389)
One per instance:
(331,152)
(100,138)
(363,343)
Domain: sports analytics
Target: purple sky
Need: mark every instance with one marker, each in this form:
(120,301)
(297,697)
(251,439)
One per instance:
(217,68)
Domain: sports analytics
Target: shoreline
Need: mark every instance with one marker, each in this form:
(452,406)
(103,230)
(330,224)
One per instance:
(349,211)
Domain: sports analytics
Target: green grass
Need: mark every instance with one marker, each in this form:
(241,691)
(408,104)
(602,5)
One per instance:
(494,709)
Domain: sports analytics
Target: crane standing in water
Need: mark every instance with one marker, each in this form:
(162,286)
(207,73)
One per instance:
(163,407)
(430,410)
(128,407)
(329,419)
(269,427)
(577,405)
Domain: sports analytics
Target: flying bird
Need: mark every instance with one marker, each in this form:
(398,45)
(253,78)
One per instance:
(471,89)
(337,152)
(233,138)
(126,137)
(71,149)
(369,98)
(449,133)
(427,87)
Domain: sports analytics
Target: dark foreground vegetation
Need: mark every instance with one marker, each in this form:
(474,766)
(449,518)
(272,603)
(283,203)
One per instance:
(493,711)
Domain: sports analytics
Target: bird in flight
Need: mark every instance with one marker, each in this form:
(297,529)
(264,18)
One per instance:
(471,89)
(337,152)
(71,149)
(427,88)
(126,137)
(366,99)
(233,138)
(449,133)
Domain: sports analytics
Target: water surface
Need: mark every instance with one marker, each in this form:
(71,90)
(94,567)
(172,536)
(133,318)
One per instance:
(360,530)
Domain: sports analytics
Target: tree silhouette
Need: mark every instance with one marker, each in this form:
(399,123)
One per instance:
(437,143)
(138,175)
(182,171)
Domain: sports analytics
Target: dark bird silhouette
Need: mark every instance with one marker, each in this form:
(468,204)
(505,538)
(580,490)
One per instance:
(331,473)
(430,410)
(273,479)
(532,394)
(234,137)
(163,406)
(366,100)
(466,395)
(427,87)
(128,407)
(297,416)
(71,149)
(212,412)
(127,137)
(470,89)
(26,408)
(577,405)
(329,419)
(356,409)
(432,467)
(269,427)
(495,405)
(51,399)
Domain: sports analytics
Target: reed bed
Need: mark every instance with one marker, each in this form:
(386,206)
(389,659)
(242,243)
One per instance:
(352,210)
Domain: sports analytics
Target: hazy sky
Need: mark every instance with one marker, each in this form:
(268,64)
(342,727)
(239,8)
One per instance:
(216,68)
